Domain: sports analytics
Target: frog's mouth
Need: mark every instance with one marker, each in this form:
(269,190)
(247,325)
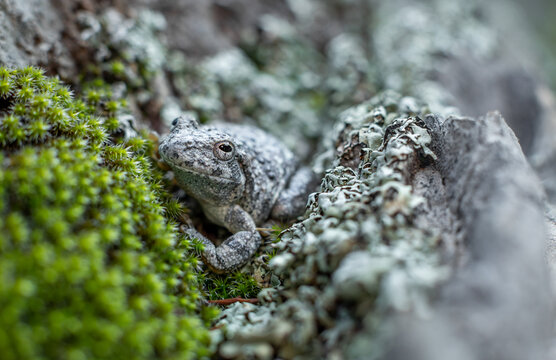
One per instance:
(203,174)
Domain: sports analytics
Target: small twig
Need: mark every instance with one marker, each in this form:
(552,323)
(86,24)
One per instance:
(264,229)
(217,327)
(233,300)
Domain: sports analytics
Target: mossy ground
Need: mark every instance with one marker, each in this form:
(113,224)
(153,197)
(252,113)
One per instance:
(91,264)
(247,282)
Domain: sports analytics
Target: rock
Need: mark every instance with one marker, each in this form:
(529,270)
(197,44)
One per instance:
(497,200)
(31,33)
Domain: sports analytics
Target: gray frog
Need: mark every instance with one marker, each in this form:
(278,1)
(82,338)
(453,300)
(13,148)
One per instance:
(241,176)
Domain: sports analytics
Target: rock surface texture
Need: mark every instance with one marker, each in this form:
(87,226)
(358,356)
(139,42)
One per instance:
(497,200)
(424,243)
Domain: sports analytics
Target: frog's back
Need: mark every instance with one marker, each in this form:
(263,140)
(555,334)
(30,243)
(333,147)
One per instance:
(267,163)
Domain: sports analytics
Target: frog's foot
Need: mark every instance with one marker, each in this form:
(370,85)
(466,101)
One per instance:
(234,252)
(293,199)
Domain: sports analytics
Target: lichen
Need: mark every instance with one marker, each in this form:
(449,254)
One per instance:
(409,49)
(91,264)
(358,255)
(124,47)
(128,53)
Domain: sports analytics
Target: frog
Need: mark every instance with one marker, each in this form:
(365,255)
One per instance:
(242,177)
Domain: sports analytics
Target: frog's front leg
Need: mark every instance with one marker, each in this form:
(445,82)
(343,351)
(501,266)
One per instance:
(235,250)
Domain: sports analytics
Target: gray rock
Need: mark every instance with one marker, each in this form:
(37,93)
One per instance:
(498,303)
(31,33)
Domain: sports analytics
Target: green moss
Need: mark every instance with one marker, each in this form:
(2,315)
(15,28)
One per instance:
(229,286)
(247,282)
(90,264)
(225,286)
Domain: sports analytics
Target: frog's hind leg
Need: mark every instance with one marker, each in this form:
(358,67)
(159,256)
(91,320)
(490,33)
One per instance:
(293,199)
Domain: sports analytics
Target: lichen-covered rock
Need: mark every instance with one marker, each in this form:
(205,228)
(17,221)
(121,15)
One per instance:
(496,202)
(278,80)
(411,221)
(453,55)
(358,255)
(130,54)
(90,266)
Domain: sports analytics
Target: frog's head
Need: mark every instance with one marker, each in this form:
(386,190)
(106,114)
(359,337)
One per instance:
(205,161)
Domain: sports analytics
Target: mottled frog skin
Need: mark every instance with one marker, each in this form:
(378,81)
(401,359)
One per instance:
(241,176)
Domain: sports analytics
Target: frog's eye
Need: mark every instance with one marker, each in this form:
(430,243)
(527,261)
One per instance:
(175,122)
(224,150)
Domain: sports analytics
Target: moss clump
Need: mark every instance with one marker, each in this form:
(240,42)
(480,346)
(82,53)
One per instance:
(228,286)
(90,267)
